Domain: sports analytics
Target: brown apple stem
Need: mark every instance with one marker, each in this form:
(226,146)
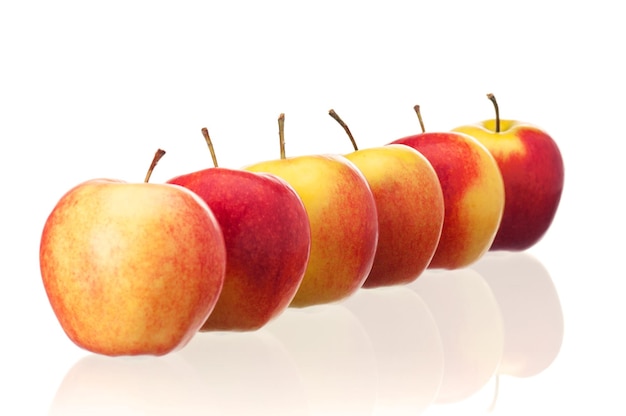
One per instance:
(419,117)
(157,156)
(495,105)
(281,134)
(334,115)
(205,133)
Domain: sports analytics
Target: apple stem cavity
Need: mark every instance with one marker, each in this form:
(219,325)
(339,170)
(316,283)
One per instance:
(419,117)
(157,156)
(334,115)
(207,138)
(281,134)
(492,98)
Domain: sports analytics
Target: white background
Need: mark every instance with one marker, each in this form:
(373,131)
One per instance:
(92,90)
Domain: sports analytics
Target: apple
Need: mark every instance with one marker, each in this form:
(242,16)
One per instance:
(473,192)
(131,268)
(342,217)
(268,240)
(410,208)
(532,168)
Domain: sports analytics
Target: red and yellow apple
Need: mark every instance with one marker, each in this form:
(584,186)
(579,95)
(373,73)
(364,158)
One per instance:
(268,240)
(131,268)
(532,169)
(342,217)
(473,193)
(410,207)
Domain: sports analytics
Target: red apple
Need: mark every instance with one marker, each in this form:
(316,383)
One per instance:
(473,193)
(532,168)
(131,268)
(268,240)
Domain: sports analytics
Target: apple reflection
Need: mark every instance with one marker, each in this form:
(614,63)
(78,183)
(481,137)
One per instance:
(216,373)
(531,310)
(246,373)
(407,347)
(471,328)
(334,356)
(101,385)
(414,349)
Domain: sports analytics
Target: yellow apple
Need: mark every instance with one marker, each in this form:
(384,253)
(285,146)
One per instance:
(410,207)
(343,222)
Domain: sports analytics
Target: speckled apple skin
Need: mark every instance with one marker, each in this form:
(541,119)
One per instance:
(343,221)
(268,241)
(473,193)
(410,207)
(533,171)
(131,268)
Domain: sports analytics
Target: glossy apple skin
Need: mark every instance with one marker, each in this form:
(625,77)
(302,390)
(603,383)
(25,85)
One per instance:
(410,207)
(533,171)
(473,193)
(131,268)
(343,222)
(268,240)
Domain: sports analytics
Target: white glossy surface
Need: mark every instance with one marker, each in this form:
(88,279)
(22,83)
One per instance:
(92,91)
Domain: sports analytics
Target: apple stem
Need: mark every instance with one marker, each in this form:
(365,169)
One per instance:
(157,156)
(205,133)
(495,105)
(281,134)
(419,116)
(334,115)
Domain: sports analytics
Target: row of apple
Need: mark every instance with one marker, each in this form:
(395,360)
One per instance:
(139,268)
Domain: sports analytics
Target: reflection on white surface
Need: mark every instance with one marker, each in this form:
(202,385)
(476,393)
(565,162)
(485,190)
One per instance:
(407,347)
(98,385)
(334,356)
(471,329)
(426,348)
(221,373)
(529,304)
